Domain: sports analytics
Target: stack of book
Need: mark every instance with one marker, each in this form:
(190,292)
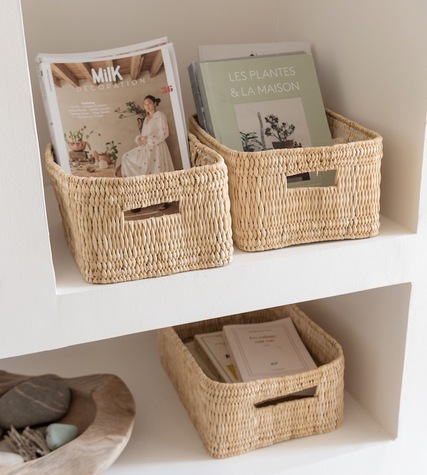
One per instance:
(251,351)
(260,97)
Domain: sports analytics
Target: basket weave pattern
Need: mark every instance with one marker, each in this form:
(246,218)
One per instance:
(108,249)
(225,414)
(268,215)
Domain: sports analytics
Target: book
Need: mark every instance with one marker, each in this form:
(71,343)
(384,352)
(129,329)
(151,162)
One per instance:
(195,89)
(266,102)
(212,349)
(199,360)
(240,50)
(267,350)
(96,108)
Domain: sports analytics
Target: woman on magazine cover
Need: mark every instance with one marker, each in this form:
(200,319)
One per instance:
(152,154)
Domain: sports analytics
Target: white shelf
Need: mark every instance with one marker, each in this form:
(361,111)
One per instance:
(164,440)
(293,274)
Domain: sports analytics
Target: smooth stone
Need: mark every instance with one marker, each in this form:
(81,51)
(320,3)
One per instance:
(58,435)
(8,459)
(40,400)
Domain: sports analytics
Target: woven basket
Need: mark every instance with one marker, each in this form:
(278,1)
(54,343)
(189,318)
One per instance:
(108,248)
(226,414)
(268,215)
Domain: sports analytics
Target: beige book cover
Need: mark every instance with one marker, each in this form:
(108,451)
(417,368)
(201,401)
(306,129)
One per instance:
(267,350)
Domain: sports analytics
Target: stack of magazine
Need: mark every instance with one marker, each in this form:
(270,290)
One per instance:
(251,351)
(265,96)
(99,115)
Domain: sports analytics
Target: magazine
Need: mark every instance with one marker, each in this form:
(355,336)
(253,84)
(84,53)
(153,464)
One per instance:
(115,112)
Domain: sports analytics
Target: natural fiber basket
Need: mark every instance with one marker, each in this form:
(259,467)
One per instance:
(108,248)
(233,418)
(268,215)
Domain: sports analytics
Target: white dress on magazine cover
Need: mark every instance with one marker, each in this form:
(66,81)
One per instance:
(153,156)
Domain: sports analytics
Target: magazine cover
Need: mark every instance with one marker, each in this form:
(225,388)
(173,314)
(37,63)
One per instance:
(115,113)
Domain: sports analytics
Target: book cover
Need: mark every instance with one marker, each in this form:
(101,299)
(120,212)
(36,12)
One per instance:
(115,112)
(213,350)
(265,102)
(267,350)
(238,50)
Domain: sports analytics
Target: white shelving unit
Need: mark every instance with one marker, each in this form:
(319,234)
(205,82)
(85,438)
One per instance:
(369,294)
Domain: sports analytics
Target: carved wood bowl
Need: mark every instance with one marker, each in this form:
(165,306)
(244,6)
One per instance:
(102,408)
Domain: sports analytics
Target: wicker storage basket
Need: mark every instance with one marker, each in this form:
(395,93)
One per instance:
(108,248)
(268,215)
(231,417)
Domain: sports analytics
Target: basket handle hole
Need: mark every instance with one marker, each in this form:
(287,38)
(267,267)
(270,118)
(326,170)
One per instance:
(306,394)
(298,177)
(312,179)
(153,211)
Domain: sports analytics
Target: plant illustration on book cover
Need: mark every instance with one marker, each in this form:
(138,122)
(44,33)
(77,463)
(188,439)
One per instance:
(281,132)
(273,134)
(115,113)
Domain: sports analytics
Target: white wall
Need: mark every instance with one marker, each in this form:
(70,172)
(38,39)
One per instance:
(26,277)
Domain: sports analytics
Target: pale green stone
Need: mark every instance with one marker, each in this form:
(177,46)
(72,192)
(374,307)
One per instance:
(58,435)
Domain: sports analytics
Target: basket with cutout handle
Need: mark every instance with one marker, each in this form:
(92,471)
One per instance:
(121,229)
(233,418)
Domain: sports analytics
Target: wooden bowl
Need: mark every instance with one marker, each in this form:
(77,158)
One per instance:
(102,408)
